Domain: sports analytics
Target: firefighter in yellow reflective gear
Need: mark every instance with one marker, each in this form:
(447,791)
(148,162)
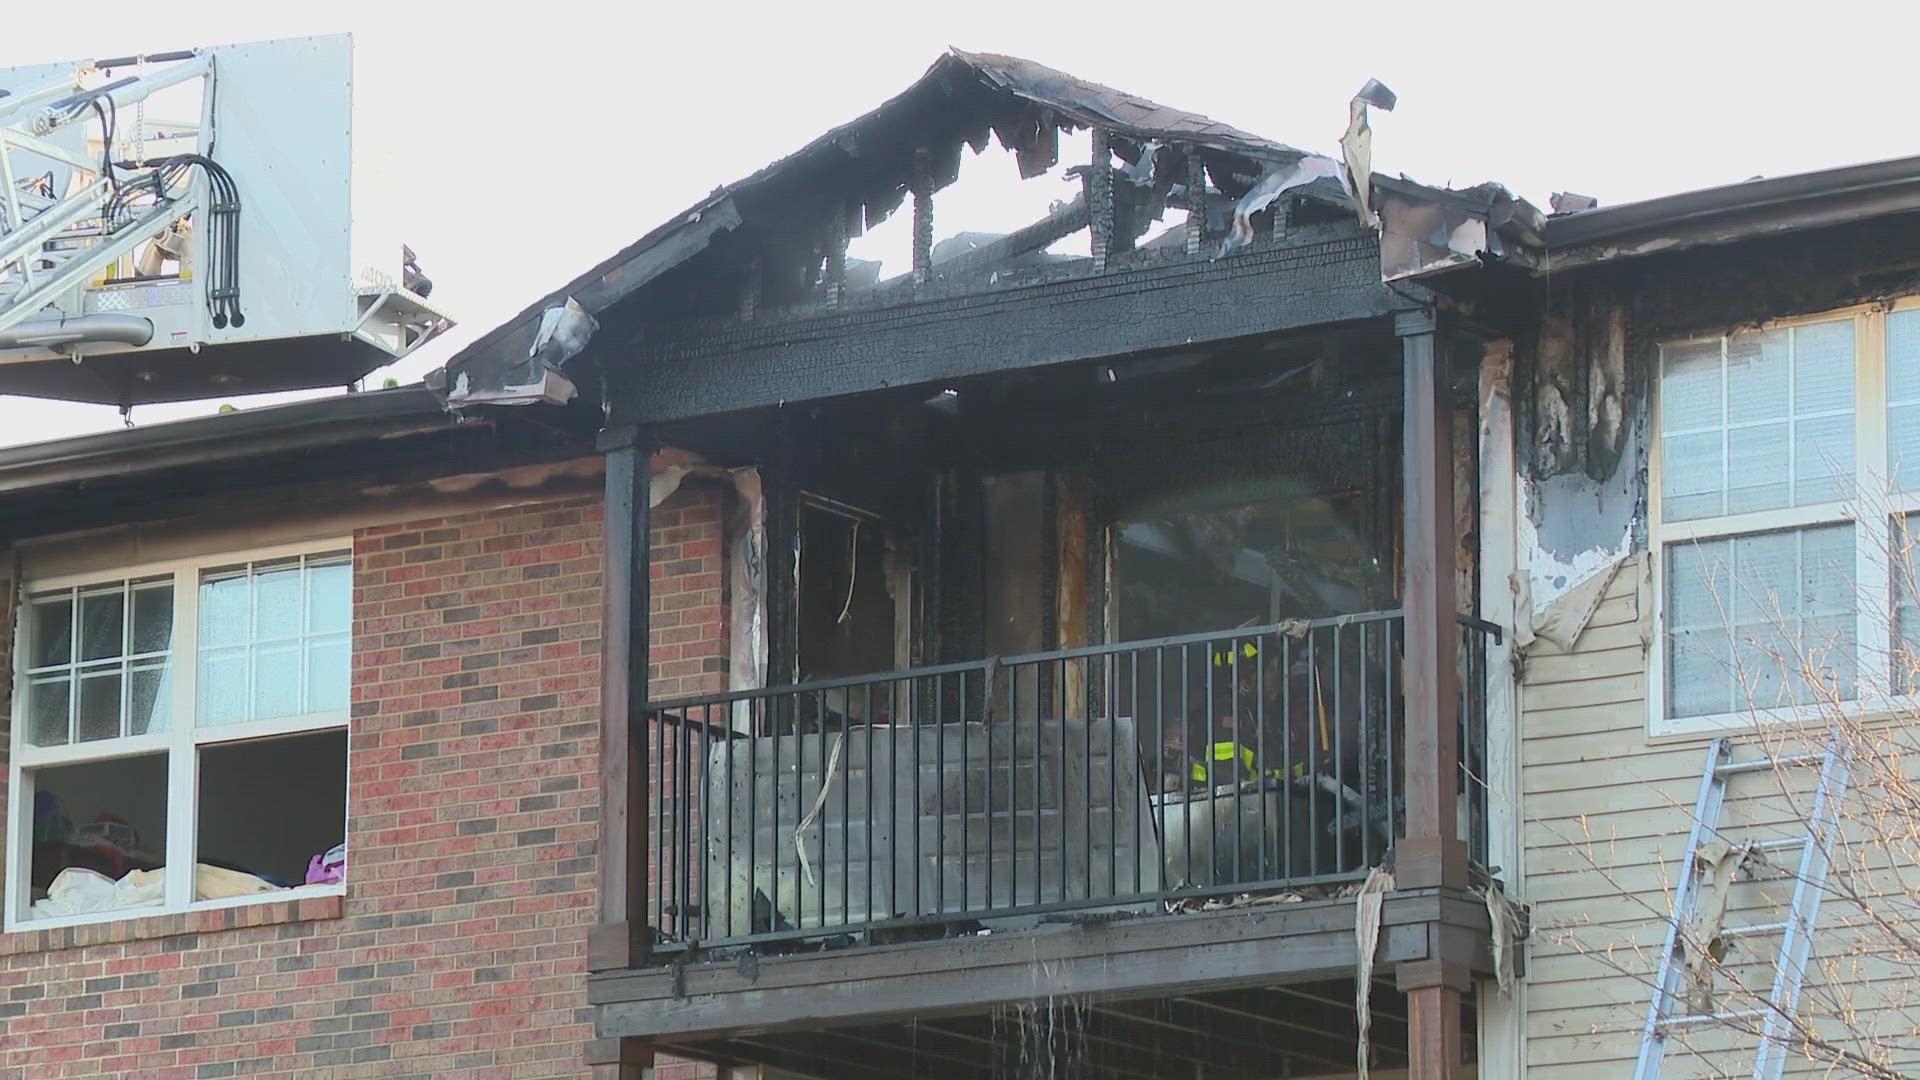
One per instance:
(1257,706)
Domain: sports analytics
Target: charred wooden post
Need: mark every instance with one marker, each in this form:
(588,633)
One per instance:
(1099,188)
(836,272)
(621,938)
(1196,201)
(1431,855)
(922,185)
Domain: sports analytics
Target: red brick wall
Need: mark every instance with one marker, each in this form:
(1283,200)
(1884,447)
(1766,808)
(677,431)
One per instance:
(687,639)
(472,835)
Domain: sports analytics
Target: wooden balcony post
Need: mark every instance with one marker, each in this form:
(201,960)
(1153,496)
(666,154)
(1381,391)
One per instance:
(620,939)
(1431,854)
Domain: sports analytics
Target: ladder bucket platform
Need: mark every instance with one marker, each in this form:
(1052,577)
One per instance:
(182,225)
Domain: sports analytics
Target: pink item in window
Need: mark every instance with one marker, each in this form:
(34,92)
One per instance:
(329,868)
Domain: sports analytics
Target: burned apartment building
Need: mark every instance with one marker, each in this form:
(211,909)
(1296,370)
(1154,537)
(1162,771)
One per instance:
(1185,634)
(1102,608)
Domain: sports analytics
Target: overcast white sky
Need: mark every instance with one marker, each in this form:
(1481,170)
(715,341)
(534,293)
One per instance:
(531,140)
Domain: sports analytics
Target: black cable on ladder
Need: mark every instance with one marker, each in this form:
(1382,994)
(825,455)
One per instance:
(222,224)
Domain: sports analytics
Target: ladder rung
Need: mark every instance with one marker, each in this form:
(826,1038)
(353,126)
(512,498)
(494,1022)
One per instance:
(1753,929)
(1782,843)
(1759,764)
(1716,1017)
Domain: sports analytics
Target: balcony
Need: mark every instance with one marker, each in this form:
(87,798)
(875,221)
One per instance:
(1088,689)
(1081,783)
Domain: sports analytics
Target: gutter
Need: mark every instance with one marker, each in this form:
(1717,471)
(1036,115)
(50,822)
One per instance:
(208,440)
(1733,212)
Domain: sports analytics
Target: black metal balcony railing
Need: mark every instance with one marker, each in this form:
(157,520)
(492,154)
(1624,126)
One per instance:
(1102,777)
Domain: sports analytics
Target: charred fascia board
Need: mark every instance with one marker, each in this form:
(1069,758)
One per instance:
(868,160)
(229,437)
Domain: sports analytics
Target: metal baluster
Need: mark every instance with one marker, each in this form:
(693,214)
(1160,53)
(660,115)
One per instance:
(1367,859)
(706,812)
(1395,782)
(1140,774)
(1186,731)
(1239,788)
(940,797)
(1060,793)
(728,799)
(913,743)
(801,808)
(1039,873)
(1285,837)
(1260,764)
(1086,764)
(893,811)
(662,885)
(986,774)
(1110,683)
(1213,782)
(773,798)
(684,826)
(1160,745)
(756,714)
(966,777)
(872,814)
(1313,752)
(1339,754)
(846,802)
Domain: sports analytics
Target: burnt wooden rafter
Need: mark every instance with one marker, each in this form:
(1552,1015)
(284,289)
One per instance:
(923,187)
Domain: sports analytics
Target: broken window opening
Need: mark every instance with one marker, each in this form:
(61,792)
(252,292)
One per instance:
(850,608)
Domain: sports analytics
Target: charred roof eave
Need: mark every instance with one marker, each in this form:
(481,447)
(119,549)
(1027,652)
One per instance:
(866,166)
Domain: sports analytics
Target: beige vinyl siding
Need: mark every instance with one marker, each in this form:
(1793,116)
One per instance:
(1605,816)
(1587,802)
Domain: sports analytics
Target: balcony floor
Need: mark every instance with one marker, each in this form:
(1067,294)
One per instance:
(1303,1030)
(1164,992)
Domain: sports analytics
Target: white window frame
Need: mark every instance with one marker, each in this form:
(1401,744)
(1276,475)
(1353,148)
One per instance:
(181,742)
(1871,510)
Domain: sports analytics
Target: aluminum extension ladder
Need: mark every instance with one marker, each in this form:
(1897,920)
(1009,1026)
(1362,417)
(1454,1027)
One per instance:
(1668,1008)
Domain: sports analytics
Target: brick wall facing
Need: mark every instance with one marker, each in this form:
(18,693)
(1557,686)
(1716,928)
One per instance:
(473,834)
